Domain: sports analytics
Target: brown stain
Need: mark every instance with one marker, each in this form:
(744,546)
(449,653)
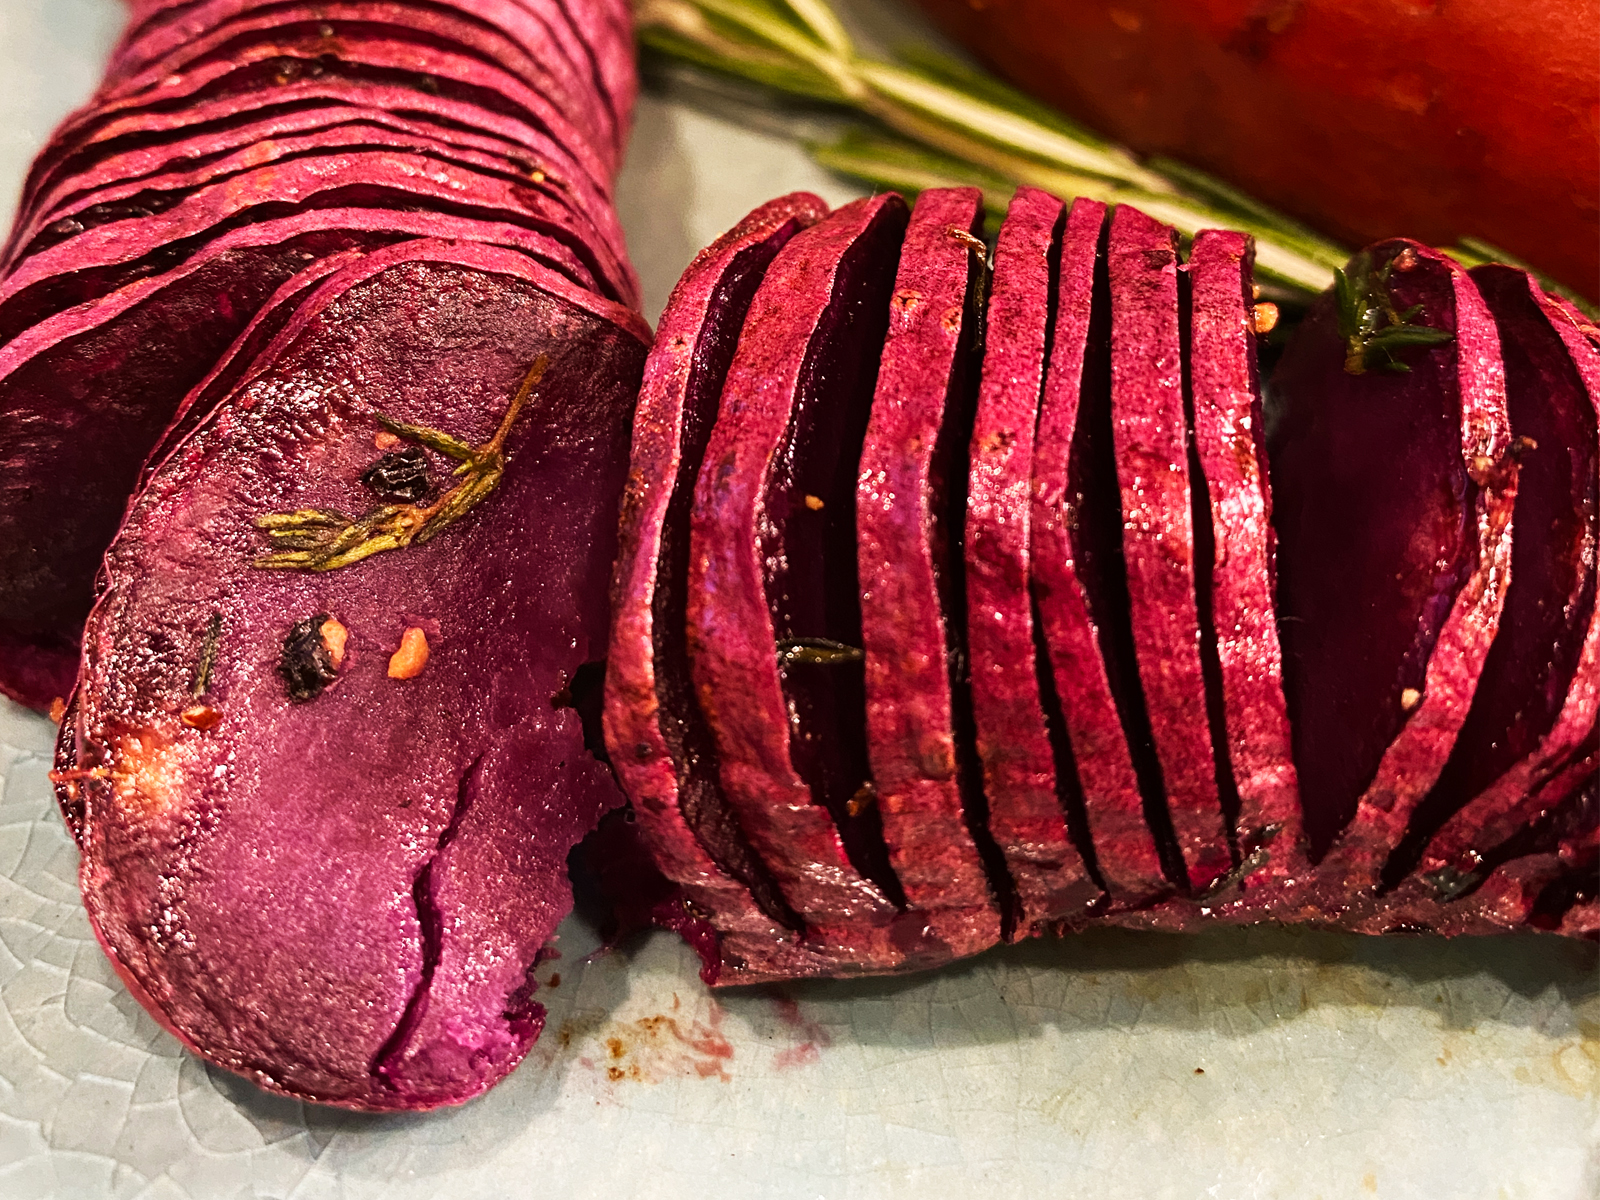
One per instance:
(663,1046)
(1369,1182)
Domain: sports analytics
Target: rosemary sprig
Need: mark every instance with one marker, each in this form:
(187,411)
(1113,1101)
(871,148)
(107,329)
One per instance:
(1370,325)
(322,539)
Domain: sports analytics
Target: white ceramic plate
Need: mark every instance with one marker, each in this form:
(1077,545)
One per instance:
(1270,1064)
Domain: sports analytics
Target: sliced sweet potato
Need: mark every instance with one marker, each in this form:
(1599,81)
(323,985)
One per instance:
(1077,534)
(327,874)
(1260,791)
(1158,533)
(94,262)
(1393,495)
(908,507)
(773,593)
(659,742)
(153,195)
(1539,690)
(1026,815)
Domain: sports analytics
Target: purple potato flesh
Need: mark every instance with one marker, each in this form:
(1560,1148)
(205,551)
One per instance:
(1158,534)
(152,195)
(71,163)
(342,898)
(911,588)
(419,80)
(1076,533)
(1539,691)
(658,740)
(86,266)
(338,25)
(1393,500)
(773,503)
(1230,449)
(1026,815)
(95,387)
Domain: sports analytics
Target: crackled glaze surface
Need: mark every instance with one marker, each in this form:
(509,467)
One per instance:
(1334,1066)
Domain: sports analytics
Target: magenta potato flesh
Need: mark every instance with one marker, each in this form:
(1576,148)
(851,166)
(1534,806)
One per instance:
(96,386)
(1019,769)
(94,262)
(343,898)
(1158,533)
(1393,559)
(1539,691)
(773,503)
(908,511)
(150,195)
(658,741)
(1076,535)
(1236,592)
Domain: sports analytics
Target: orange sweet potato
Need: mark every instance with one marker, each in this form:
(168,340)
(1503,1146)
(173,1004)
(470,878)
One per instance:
(1433,119)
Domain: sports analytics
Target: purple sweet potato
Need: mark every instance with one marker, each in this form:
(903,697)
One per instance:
(85,394)
(362,46)
(1073,478)
(658,740)
(94,262)
(1539,690)
(335,25)
(201,146)
(772,573)
(478,95)
(1238,578)
(151,195)
(1158,534)
(1393,497)
(283,87)
(1026,816)
(320,866)
(908,506)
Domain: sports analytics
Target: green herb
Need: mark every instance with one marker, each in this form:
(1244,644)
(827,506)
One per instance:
(819,652)
(1370,325)
(321,539)
(208,656)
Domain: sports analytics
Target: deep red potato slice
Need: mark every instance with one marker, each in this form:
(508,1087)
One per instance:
(158,193)
(658,740)
(802,375)
(1026,815)
(910,575)
(95,262)
(300,890)
(1394,494)
(136,143)
(1069,476)
(444,29)
(269,66)
(1158,535)
(1539,692)
(1230,444)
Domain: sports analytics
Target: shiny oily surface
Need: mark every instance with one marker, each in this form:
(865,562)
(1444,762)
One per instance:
(1334,1066)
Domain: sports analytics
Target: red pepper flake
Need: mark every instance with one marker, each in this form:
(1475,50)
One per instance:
(58,709)
(1264,317)
(408,661)
(201,717)
(384,440)
(334,636)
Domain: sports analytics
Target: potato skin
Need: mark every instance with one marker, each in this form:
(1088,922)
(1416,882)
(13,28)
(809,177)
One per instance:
(1431,119)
